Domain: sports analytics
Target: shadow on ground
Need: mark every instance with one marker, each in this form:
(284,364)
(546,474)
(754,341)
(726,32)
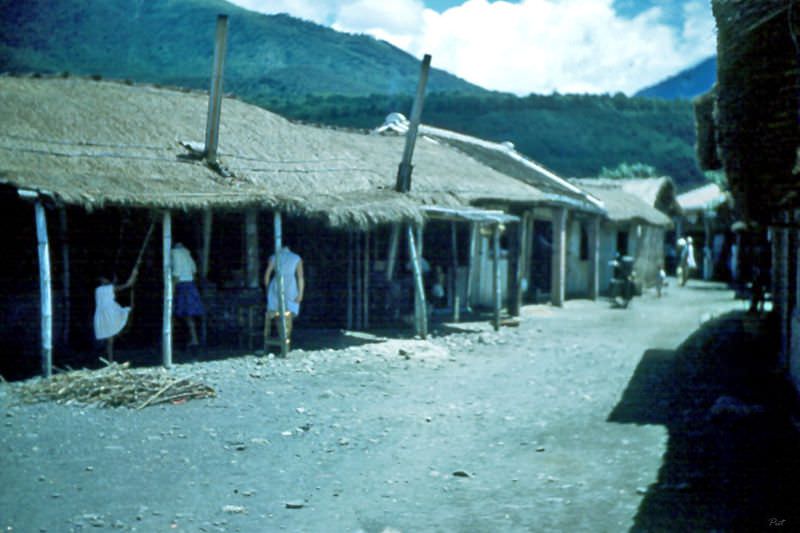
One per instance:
(733,458)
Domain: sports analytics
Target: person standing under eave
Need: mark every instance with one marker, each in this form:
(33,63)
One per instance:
(290,265)
(187,302)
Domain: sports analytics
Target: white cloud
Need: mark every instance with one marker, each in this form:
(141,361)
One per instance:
(532,46)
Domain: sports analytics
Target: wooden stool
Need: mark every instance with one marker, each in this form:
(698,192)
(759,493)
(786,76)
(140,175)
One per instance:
(283,344)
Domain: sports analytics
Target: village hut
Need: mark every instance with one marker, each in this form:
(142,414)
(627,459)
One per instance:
(563,216)
(632,227)
(109,157)
(757,134)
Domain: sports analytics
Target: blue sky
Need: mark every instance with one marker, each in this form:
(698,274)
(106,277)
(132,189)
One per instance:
(530,46)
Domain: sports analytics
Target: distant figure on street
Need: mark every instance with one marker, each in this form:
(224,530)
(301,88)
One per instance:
(110,317)
(290,266)
(687,261)
(187,302)
(661,280)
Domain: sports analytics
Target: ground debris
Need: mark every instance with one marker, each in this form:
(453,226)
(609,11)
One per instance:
(115,385)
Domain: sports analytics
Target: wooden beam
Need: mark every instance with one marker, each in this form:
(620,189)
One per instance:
(358,278)
(281,289)
(166,248)
(215,93)
(252,252)
(403,183)
(496,278)
(45,291)
(420,310)
(559,257)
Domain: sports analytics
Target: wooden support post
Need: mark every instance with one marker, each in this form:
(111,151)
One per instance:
(559,258)
(453,298)
(66,298)
(45,294)
(281,289)
(496,277)
(215,93)
(366,280)
(594,257)
(357,276)
(514,298)
(403,183)
(252,253)
(523,266)
(391,261)
(205,259)
(350,280)
(474,234)
(166,248)
(708,264)
(420,308)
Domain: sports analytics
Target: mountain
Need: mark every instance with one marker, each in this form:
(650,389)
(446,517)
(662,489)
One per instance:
(315,74)
(686,84)
(172,42)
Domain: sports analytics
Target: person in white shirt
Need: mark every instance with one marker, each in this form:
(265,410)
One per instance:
(110,318)
(186,298)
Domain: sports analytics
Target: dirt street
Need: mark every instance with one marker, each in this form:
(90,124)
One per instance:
(584,418)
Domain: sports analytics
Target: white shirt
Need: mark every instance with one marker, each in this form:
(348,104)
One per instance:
(183,267)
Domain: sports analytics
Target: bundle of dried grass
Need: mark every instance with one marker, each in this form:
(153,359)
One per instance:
(116,385)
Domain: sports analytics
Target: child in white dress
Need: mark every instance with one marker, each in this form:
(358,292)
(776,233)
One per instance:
(110,317)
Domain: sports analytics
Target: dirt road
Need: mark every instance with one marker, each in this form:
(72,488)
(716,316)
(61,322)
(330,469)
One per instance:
(577,420)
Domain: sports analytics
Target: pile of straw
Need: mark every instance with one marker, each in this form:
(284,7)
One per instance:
(116,385)
(757,102)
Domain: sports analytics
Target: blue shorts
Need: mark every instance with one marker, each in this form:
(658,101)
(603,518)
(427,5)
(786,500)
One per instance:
(187,300)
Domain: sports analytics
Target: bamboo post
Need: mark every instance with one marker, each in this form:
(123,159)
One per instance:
(394,239)
(349,280)
(252,252)
(281,289)
(215,93)
(473,258)
(166,333)
(65,276)
(496,278)
(366,280)
(421,319)
(45,294)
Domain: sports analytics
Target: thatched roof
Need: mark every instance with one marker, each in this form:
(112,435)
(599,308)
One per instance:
(96,144)
(505,159)
(705,198)
(758,80)
(622,205)
(657,192)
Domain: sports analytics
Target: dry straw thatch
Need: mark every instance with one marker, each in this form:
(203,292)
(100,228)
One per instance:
(623,205)
(757,103)
(116,385)
(99,143)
